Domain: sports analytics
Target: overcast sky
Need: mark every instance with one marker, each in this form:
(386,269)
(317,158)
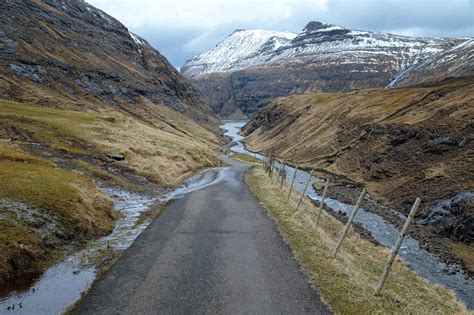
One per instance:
(180,29)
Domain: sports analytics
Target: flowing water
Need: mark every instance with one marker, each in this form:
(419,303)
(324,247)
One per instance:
(61,285)
(419,260)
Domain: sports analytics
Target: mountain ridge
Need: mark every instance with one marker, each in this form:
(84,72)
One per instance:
(321,58)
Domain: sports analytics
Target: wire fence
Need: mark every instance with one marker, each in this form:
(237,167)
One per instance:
(276,173)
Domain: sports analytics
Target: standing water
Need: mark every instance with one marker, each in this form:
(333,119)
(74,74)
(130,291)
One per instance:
(61,285)
(419,260)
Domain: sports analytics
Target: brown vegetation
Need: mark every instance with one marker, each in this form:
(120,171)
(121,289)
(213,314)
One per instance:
(347,282)
(399,143)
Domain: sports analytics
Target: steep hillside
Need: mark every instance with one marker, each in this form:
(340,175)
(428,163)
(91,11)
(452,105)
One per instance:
(399,143)
(455,62)
(322,58)
(68,54)
(82,102)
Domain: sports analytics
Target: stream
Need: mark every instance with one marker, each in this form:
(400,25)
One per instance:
(62,285)
(419,260)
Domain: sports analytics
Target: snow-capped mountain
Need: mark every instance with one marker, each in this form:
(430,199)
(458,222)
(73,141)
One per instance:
(242,49)
(454,62)
(249,67)
(317,41)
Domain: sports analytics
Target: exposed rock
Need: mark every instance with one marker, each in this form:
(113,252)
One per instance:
(116,156)
(72,55)
(251,67)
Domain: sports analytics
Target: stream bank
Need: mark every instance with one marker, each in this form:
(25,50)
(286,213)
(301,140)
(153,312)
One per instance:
(424,263)
(62,284)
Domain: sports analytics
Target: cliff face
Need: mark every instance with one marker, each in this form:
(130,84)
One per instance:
(322,58)
(399,143)
(68,54)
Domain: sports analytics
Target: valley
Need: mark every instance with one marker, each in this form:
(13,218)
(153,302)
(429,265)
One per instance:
(398,143)
(237,80)
(132,185)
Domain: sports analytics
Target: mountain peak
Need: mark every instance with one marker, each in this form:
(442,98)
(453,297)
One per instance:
(316,26)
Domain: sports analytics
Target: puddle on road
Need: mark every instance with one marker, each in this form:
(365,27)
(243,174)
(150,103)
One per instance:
(419,260)
(62,284)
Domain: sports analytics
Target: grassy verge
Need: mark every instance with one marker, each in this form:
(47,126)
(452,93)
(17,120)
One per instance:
(347,282)
(244,158)
(43,209)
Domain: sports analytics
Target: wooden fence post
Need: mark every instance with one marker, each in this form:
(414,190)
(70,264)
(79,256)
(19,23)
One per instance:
(292,182)
(321,203)
(283,175)
(272,169)
(394,253)
(304,190)
(279,171)
(348,224)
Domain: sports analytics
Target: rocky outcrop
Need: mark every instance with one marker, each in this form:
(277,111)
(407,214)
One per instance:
(322,58)
(69,54)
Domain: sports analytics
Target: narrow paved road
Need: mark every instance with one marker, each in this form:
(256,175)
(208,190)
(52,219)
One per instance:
(215,250)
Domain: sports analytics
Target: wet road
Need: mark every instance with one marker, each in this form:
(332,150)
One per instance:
(214,250)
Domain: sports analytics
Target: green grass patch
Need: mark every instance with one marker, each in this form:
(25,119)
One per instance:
(347,282)
(69,198)
(244,158)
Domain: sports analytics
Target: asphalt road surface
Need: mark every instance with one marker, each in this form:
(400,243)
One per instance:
(215,250)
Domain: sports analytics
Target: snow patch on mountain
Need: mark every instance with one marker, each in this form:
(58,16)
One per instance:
(317,43)
(241,49)
(455,61)
(137,41)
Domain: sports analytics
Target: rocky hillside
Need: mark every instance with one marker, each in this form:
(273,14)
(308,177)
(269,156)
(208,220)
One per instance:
(68,54)
(399,143)
(322,58)
(84,101)
(454,62)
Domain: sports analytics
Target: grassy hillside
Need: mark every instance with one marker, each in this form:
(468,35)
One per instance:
(164,153)
(43,208)
(399,143)
(49,201)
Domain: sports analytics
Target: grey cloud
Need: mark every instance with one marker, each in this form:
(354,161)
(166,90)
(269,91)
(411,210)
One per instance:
(410,17)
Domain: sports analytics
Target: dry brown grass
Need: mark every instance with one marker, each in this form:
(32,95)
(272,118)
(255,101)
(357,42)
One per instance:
(465,253)
(244,158)
(163,153)
(347,282)
(382,138)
